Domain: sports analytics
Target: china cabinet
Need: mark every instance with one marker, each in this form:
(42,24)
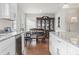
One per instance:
(46,23)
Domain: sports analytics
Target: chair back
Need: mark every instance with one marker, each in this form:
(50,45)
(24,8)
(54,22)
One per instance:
(28,34)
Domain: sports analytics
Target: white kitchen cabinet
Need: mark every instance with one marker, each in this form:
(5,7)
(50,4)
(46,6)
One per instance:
(72,50)
(4,10)
(13,11)
(5,52)
(7,47)
(8,11)
(52,44)
(63,47)
(58,46)
(12,46)
(67,49)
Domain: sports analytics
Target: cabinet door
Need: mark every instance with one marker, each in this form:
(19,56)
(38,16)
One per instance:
(5,10)
(13,10)
(63,48)
(5,52)
(51,24)
(4,47)
(2,10)
(12,46)
(59,47)
(8,10)
(72,49)
(7,46)
(52,44)
(68,49)
(47,24)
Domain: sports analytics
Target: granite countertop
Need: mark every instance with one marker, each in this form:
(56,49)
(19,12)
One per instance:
(4,36)
(70,37)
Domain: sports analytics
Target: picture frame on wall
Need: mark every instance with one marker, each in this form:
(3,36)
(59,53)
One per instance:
(59,22)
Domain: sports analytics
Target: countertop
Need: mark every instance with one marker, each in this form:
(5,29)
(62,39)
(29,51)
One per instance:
(70,37)
(4,36)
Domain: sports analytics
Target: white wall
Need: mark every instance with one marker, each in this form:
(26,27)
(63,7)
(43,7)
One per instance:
(20,22)
(65,17)
(31,19)
(73,27)
(62,28)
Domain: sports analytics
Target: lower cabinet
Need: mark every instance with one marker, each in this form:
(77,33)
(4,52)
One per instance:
(12,46)
(58,46)
(7,47)
(5,52)
(62,49)
(72,49)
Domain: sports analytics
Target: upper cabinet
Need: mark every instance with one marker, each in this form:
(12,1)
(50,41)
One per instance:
(8,11)
(13,10)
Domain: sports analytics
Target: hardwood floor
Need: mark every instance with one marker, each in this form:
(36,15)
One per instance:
(39,49)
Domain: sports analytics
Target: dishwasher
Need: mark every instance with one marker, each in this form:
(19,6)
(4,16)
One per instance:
(18,44)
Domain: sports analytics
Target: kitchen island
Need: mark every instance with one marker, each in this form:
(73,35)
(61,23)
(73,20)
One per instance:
(8,43)
(64,43)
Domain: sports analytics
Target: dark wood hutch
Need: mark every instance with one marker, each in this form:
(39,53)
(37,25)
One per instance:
(46,23)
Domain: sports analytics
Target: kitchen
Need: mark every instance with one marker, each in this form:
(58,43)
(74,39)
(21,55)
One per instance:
(46,24)
(9,43)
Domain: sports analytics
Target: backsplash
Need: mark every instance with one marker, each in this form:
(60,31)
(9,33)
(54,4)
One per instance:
(5,23)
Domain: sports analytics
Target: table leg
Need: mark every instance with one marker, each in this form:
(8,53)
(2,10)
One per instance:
(37,40)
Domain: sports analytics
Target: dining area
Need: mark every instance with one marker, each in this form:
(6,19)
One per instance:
(35,36)
(36,42)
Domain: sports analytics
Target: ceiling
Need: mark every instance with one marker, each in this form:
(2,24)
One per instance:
(44,7)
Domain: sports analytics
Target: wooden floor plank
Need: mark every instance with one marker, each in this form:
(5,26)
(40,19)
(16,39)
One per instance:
(39,49)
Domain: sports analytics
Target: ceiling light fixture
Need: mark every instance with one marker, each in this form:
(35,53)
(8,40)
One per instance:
(65,6)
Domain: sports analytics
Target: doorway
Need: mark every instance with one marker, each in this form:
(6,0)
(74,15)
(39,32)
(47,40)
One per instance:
(40,47)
